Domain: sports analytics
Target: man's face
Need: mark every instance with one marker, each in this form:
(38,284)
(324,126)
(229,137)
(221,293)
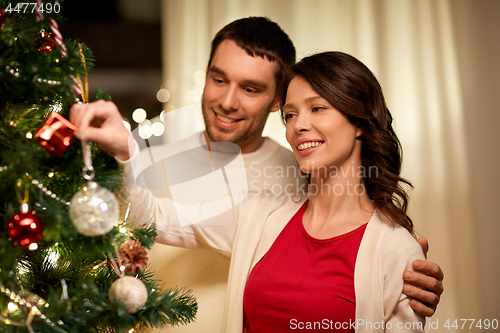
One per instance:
(240,91)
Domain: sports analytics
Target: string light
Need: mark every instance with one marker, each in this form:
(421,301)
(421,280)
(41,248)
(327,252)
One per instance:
(21,301)
(48,192)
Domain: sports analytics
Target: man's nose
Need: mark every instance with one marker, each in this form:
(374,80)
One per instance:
(229,100)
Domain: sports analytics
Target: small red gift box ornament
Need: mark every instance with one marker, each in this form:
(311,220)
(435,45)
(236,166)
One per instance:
(56,134)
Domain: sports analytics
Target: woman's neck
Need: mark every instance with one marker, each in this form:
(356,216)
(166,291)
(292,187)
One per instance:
(338,202)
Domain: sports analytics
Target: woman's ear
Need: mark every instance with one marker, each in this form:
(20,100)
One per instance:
(359,130)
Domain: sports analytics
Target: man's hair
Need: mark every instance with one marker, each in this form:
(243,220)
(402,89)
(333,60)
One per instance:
(259,36)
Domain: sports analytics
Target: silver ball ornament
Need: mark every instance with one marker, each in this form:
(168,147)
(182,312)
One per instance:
(93,210)
(130,292)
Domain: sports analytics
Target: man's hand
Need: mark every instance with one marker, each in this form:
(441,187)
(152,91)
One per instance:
(425,285)
(102,122)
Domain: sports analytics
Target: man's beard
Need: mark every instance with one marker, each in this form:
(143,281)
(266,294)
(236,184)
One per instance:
(217,134)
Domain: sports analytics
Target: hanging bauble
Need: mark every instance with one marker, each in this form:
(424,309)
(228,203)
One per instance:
(130,292)
(2,17)
(25,228)
(46,44)
(93,210)
(56,134)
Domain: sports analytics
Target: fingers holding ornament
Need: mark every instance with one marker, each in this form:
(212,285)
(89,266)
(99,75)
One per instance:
(93,210)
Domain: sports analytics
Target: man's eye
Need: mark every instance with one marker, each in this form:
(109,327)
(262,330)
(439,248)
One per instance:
(217,80)
(251,90)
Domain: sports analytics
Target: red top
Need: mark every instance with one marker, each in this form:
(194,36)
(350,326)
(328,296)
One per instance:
(303,283)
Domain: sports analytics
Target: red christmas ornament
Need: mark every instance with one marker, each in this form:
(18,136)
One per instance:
(2,17)
(47,44)
(25,228)
(56,134)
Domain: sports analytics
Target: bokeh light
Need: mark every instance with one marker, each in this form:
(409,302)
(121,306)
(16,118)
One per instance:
(145,132)
(199,77)
(139,115)
(163,95)
(127,125)
(157,128)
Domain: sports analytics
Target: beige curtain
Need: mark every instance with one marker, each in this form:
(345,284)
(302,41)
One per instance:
(420,50)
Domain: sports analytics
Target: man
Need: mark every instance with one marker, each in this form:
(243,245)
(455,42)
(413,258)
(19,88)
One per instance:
(243,79)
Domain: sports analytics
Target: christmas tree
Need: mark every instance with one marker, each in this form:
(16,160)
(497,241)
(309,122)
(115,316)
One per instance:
(68,261)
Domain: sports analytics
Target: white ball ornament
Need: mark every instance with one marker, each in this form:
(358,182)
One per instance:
(130,292)
(94,210)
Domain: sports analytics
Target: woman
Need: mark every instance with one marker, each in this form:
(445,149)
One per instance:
(333,258)
(313,276)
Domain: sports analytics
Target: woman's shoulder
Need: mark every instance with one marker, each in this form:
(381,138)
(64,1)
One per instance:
(392,237)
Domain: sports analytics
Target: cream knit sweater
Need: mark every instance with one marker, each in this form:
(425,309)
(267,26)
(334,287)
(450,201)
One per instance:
(246,232)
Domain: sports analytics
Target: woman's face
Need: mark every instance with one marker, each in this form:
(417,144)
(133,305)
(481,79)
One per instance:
(320,135)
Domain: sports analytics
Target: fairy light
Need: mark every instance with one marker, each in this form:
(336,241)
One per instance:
(57,107)
(12,307)
(29,135)
(52,257)
(33,309)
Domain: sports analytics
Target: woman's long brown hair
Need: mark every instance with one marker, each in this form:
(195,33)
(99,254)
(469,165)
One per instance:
(350,87)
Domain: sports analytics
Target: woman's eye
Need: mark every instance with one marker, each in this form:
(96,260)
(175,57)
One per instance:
(317,108)
(288,116)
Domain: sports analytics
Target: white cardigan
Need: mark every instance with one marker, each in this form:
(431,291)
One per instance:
(246,233)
